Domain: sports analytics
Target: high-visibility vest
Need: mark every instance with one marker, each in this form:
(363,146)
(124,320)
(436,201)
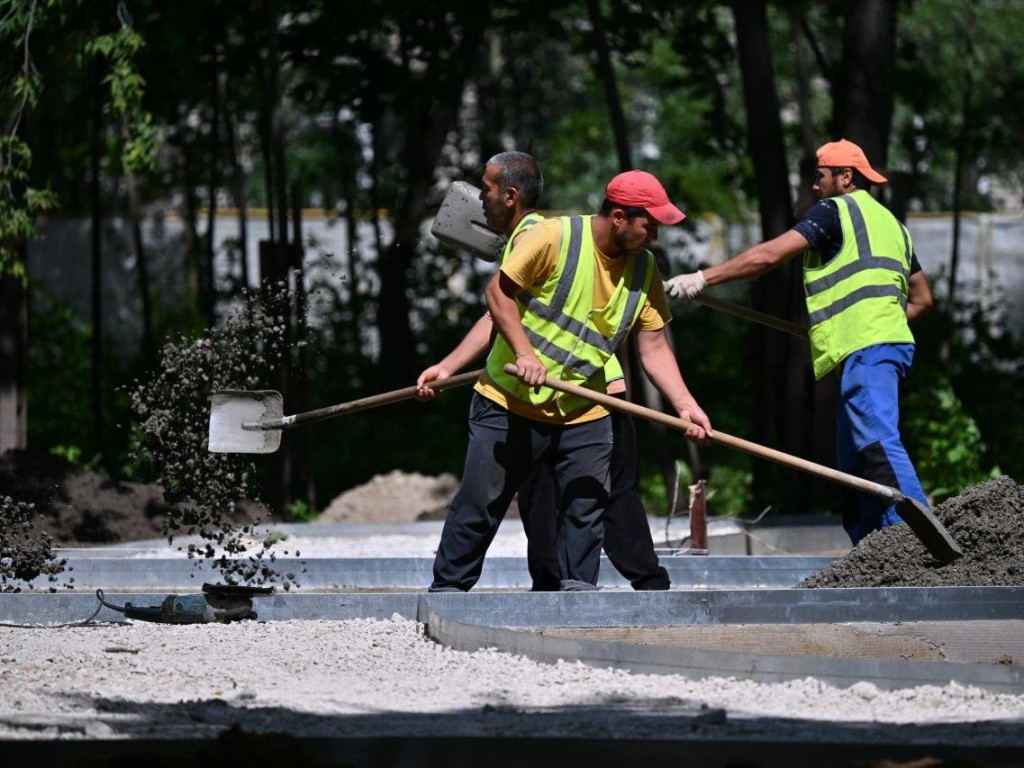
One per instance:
(573,338)
(859,298)
(612,369)
(524,224)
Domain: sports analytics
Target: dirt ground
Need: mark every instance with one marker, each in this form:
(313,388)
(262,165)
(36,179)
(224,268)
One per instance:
(79,507)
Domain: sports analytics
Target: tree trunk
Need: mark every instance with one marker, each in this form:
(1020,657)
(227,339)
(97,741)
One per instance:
(863,97)
(213,182)
(606,73)
(238,196)
(780,363)
(13,360)
(300,374)
(96,153)
(962,143)
(281,469)
(149,356)
(432,114)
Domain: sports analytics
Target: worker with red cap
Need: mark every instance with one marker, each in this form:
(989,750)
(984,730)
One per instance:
(511,186)
(862,284)
(565,297)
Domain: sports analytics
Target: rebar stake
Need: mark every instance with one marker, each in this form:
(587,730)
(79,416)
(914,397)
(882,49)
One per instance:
(698,519)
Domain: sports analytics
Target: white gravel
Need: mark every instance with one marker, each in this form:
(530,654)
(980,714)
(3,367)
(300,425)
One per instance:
(384,678)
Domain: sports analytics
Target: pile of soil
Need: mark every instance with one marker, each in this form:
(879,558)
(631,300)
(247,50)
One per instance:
(397,497)
(986,521)
(76,506)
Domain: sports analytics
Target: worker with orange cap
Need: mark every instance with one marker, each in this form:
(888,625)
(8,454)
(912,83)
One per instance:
(862,284)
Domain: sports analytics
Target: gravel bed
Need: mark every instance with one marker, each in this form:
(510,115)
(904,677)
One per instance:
(385,678)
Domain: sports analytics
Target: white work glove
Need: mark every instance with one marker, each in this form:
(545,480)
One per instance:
(686,287)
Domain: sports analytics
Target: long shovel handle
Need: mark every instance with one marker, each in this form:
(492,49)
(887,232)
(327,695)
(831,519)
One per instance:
(385,398)
(722,438)
(746,313)
(922,522)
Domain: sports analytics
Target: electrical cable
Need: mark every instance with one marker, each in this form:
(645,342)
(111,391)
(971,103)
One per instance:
(87,623)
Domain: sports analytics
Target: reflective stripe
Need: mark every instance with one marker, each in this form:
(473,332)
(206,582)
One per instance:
(867,292)
(860,229)
(825,282)
(859,297)
(564,327)
(553,312)
(529,220)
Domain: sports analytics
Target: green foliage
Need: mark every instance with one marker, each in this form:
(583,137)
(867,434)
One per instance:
(72,454)
(60,394)
(728,490)
(19,203)
(127,87)
(943,440)
(300,511)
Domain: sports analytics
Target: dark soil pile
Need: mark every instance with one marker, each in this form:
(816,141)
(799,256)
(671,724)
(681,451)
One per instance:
(986,521)
(76,507)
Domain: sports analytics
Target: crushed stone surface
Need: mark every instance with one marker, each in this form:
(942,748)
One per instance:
(372,678)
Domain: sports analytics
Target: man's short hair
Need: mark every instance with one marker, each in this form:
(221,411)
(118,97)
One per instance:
(631,211)
(519,170)
(860,181)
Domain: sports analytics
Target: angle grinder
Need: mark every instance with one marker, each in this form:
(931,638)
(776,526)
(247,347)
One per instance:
(217,603)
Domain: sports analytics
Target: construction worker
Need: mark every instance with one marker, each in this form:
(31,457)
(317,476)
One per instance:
(862,283)
(565,297)
(510,189)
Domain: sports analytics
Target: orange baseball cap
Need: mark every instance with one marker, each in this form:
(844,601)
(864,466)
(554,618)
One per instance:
(846,154)
(639,189)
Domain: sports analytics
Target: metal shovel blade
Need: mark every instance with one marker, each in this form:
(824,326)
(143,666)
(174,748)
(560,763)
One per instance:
(231,409)
(928,529)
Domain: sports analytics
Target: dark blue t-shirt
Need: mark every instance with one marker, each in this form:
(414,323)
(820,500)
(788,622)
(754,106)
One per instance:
(822,229)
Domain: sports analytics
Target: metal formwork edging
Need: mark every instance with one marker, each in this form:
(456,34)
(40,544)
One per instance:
(698,664)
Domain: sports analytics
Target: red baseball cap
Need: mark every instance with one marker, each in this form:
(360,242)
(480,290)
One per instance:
(640,189)
(846,154)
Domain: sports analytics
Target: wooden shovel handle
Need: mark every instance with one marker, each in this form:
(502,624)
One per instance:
(763,452)
(407,393)
(752,314)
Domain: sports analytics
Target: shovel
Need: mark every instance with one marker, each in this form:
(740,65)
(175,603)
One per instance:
(922,522)
(251,422)
(746,313)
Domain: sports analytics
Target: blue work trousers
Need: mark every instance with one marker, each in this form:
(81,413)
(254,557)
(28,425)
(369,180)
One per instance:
(868,435)
(503,449)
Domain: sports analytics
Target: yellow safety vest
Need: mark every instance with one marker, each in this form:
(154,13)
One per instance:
(574,339)
(859,298)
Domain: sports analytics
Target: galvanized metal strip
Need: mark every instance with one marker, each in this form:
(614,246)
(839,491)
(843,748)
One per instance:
(697,664)
(125,572)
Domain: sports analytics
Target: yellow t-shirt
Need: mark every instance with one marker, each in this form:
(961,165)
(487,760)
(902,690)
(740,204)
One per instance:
(531,263)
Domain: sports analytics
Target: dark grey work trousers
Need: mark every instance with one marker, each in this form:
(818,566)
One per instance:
(627,534)
(503,449)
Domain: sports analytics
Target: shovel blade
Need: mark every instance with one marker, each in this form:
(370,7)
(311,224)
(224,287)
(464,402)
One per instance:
(230,409)
(928,529)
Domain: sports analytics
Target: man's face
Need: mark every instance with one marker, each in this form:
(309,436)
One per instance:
(828,184)
(632,236)
(496,211)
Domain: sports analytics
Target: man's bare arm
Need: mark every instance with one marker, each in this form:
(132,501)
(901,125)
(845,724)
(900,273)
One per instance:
(473,344)
(919,299)
(662,369)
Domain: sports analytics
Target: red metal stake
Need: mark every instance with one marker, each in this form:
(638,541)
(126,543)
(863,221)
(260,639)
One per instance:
(698,519)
